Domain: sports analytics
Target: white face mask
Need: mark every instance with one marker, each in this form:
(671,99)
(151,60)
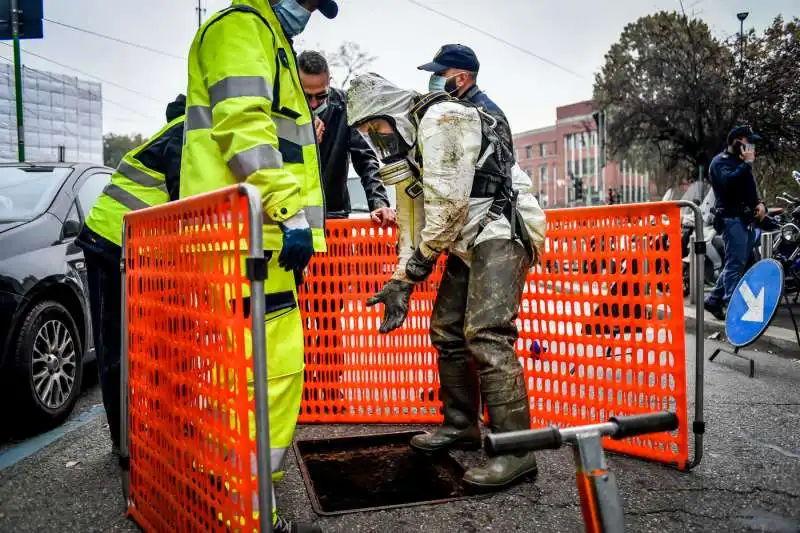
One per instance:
(321,108)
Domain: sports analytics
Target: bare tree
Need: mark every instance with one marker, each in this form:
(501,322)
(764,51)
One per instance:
(351,59)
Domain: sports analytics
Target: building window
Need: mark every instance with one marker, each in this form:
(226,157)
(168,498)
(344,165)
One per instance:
(588,166)
(543,149)
(529,152)
(543,174)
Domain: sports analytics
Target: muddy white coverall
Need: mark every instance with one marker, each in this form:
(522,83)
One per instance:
(473,321)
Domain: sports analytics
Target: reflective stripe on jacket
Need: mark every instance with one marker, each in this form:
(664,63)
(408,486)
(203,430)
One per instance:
(133,186)
(247,119)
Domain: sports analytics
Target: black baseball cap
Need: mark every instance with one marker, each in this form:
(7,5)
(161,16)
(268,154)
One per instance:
(743,131)
(329,8)
(453,56)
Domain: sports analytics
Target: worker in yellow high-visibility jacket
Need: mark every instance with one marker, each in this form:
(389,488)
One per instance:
(146,176)
(247,121)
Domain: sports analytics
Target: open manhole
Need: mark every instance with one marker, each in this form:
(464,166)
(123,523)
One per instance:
(367,473)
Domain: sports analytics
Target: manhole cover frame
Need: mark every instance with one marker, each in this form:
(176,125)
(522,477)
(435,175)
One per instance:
(375,439)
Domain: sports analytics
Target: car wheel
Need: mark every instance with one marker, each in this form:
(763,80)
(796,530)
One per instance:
(49,365)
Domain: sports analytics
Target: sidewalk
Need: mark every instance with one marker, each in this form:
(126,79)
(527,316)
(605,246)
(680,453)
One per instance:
(780,336)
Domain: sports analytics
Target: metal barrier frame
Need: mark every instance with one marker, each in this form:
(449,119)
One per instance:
(696,276)
(257,273)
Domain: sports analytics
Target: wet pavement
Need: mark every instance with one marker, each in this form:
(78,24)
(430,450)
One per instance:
(749,479)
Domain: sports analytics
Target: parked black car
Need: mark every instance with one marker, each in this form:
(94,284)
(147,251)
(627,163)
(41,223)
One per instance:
(45,326)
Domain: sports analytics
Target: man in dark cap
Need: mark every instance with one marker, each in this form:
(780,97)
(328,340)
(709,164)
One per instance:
(455,70)
(737,207)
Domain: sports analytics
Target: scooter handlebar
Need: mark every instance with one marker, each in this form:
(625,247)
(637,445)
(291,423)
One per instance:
(631,426)
(522,441)
(618,427)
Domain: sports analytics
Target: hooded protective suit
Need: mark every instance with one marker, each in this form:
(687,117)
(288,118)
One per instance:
(450,136)
(451,152)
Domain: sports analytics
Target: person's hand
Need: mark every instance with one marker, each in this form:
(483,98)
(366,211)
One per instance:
(749,154)
(319,128)
(761,211)
(298,243)
(383,216)
(394,296)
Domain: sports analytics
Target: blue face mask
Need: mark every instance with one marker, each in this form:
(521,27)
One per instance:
(436,83)
(292,16)
(439,83)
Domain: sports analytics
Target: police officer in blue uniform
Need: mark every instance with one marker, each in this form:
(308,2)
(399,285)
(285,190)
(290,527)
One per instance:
(738,207)
(454,69)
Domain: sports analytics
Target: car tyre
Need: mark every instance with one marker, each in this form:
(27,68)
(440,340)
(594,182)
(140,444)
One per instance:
(48,365)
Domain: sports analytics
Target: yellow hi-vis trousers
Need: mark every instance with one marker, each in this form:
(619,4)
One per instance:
(285,364)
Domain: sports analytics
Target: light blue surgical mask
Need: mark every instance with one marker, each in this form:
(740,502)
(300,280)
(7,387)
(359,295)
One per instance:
(292,16)
(440,83)
(436,83)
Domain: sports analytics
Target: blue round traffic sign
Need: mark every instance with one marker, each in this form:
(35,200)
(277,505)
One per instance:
(754,302)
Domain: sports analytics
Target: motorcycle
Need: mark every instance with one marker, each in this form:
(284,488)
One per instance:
(786,244)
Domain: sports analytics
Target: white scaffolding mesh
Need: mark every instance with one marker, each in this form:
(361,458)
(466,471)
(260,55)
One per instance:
(59,110)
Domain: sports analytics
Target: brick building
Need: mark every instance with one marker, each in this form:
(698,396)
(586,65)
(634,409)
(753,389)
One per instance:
(555,156)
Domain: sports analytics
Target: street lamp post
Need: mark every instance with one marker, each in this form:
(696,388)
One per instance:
(741,16)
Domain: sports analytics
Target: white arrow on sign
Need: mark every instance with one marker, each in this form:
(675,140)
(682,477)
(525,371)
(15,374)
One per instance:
(755,304)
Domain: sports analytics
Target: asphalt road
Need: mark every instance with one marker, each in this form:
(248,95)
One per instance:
(749,479)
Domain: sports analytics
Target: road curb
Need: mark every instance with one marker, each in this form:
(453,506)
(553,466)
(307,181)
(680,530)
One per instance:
(26,448)
(780,341)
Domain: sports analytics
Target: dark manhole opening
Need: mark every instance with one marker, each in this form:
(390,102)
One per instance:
(365,473)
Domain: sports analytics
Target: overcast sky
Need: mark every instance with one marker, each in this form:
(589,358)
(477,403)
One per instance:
(574,34)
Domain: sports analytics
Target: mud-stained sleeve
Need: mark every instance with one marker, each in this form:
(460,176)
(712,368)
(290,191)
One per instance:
(450,136)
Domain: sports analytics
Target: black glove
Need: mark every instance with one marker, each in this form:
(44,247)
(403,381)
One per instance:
(419,267)
(298,243)
(394,296)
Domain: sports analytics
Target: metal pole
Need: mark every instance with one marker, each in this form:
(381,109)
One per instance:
(604,498)
(698,426)
(692,271)
(741,45)
(766,244)
(124,448)
(741,16)
(200,12)
(18,79)
(259,351)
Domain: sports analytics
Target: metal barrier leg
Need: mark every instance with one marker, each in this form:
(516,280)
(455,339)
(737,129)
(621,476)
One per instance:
(597,487)
(124,448)
(697,252)
(257,274)
(692,271)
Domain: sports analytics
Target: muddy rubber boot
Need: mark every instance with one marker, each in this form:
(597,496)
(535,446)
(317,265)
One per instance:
(460,397)
(501,471)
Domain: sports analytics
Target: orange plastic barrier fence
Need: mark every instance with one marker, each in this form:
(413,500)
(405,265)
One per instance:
(601,328)
(192,463)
